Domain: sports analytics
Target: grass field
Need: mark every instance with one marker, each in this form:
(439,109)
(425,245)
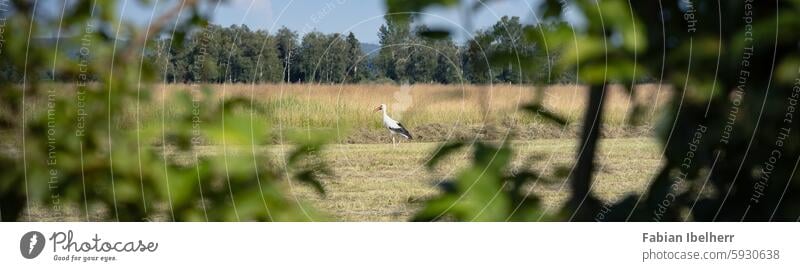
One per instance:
(373,181)
(434,112)
(376,182)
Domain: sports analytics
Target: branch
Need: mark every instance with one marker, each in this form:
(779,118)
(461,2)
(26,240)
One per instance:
(155,27)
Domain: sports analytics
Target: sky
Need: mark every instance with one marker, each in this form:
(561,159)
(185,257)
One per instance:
(362,17)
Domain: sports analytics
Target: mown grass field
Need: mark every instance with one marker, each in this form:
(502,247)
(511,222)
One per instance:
(373,181)
(376,182)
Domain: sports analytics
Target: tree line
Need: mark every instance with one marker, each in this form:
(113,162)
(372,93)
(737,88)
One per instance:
(407,53)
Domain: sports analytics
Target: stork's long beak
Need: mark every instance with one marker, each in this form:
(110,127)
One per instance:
(377,109)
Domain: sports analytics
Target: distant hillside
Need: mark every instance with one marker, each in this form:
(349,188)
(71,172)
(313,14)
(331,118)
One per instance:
(369,48)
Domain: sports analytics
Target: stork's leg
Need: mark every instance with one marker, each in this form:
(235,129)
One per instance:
(393,143)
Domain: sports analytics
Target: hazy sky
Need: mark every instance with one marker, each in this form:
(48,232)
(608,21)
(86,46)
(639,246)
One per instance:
(362,17)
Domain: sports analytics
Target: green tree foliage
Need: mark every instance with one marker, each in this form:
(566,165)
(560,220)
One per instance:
(508,39)
(487,190)
(76,154)
(214,54)
(414,56)
(421,63)
(475,59)
(408,53)
(393,38)
(448,64)
(726,157)
(334,61)
(500,54)
(355,60)
(743,85)
(313,57)
(286,41)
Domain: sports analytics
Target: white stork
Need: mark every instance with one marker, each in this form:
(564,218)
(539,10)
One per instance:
(395,128)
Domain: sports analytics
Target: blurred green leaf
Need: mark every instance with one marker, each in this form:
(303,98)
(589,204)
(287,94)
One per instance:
(435,34)
(539,110)
(443,151)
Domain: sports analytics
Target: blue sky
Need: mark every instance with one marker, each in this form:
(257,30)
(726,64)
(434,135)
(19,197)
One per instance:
(362,17)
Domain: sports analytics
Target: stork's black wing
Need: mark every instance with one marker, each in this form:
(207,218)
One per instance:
(402,130)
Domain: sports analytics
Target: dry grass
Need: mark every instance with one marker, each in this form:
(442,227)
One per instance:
(375,182)
(434,112)
(298,105)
